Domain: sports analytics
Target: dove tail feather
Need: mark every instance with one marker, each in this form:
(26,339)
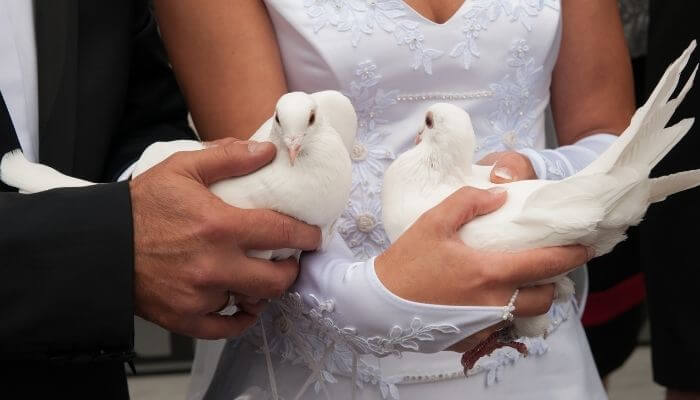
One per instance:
(669,81)
(670,184)
(669,139)
(652,142)
(29,177)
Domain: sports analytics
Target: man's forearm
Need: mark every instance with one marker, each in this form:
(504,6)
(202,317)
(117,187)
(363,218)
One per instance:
(66,261)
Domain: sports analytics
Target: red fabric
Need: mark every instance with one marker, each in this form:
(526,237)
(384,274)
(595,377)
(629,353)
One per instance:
(602,307)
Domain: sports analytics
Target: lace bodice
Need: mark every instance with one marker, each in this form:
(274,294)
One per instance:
(494,58)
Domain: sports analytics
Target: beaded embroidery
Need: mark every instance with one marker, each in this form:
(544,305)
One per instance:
(360,225)
(482,13)
(515,113)
(309,335)
(365,17)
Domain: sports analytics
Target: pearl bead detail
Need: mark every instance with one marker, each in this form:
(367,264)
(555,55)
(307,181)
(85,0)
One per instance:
(431,378)
(359,152)
(365,223)
(508,310)
(444,96)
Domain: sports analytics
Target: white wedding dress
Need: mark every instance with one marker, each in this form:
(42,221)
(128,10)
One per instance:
(339,334)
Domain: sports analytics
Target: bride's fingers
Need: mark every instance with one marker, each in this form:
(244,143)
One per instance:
(535,300)
(490,159)
(536,265)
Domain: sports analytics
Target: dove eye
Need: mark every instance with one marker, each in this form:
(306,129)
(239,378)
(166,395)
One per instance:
(429,120)
(312,118)
(277,118)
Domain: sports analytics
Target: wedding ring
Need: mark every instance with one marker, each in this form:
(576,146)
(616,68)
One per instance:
(508,309)
(230,308)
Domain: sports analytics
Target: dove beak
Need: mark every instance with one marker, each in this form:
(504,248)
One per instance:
(418,138)
(293,153)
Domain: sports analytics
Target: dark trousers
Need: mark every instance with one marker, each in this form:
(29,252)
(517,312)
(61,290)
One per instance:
(669,237)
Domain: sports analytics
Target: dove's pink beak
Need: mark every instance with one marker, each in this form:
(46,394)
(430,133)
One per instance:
(418,138)
(293,153)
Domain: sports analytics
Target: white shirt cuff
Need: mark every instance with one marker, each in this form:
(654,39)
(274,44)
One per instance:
(126,175)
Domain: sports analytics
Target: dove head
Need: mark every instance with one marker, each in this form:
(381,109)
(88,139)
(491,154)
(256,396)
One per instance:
(295,121)
(448,132)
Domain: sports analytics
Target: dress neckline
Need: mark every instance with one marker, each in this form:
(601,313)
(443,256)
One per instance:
(430,21)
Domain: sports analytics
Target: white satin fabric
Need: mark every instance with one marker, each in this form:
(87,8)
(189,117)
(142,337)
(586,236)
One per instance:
(340,334)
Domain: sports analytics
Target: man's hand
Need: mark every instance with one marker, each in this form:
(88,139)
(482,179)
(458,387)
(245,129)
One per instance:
(509,166)
(190,247)
(430,264)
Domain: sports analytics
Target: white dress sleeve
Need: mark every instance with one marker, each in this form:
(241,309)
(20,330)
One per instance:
(348,297)
(564,161)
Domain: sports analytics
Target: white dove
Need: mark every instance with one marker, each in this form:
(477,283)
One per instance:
(593,207)
(309,179)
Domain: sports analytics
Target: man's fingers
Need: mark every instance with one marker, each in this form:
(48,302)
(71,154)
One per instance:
(221,142)
(533,301)
(526,267)
(261,279)
(214,326)
(229,159)
(466,204)
(269,230)
(255,308)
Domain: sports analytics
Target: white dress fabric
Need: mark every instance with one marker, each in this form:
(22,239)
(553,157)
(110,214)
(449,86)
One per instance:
(339,333)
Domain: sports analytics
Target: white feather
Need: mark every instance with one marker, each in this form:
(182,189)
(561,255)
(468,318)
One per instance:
(29,177)
(593,207)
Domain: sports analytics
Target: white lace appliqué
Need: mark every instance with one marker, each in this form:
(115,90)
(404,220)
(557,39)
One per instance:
(556,169)
(494,365)
(482,13)
(305,335)
(364,17)
(516,111)
(360,225)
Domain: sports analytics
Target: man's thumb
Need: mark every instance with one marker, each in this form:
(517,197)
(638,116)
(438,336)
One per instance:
(231,159)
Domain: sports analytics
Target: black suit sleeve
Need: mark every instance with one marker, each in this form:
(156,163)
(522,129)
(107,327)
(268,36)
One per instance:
(155,109)
(66,281)
(66,255)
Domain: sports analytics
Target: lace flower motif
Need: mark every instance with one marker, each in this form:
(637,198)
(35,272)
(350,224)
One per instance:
(556,169)
(360,225)
(368,155)
(317,342)
(483,13)
(515,113)
(364,17)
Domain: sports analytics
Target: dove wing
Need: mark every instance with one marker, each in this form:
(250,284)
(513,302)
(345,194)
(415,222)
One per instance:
(29,177)
(263,133)
(577,206)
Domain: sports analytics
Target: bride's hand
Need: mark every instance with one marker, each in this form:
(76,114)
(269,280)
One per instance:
(430,264)
(509,166)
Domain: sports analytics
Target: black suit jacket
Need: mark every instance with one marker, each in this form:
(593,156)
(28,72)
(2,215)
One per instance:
(106,91)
